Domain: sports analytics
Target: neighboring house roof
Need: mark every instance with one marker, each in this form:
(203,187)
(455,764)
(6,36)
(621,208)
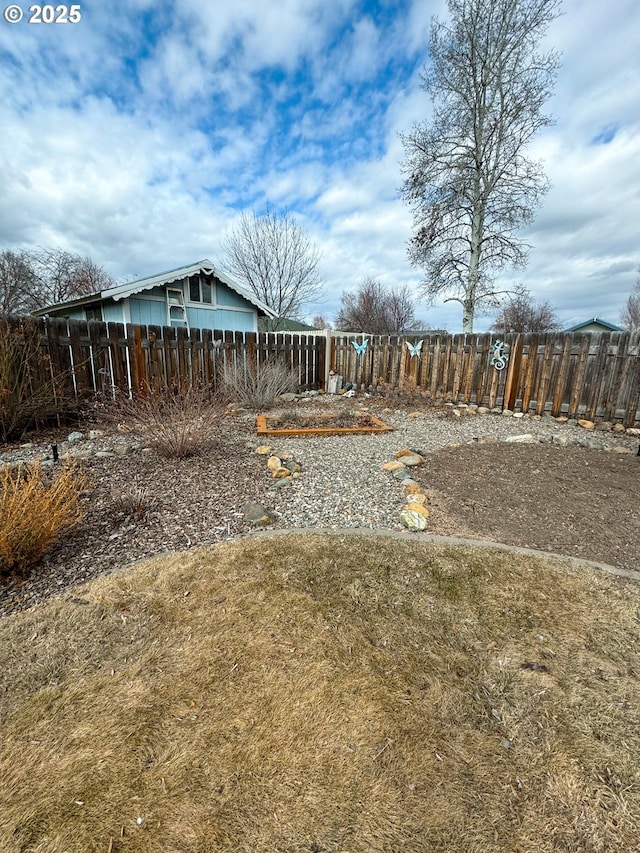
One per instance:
(609,327)
(122,291)
(288,325)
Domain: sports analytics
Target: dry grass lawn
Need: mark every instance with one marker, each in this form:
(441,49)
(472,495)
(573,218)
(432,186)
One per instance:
(325,694)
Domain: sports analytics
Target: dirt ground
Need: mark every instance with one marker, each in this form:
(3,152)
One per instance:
(569,500)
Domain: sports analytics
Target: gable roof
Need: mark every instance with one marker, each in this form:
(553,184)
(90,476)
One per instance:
(610,326)
(122,291)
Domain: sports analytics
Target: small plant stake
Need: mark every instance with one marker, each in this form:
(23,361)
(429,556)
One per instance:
(54,451)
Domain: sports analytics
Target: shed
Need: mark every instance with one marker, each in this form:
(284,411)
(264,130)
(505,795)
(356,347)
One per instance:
(194,296)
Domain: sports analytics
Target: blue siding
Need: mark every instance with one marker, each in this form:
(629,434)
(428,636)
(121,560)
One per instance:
(72,314)
(147,312)
(226,296)
(112,312)
(215,318)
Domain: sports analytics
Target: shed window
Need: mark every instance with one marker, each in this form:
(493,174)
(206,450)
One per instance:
(93,311)
(200,289)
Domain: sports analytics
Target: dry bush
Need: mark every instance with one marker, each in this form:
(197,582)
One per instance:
(30,395)
(133,501)
(36,509)
(260,386)
(176,422)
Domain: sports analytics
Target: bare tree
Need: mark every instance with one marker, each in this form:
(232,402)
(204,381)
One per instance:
(274,257)
(18,282)
(320,322)
(32,280)
(467,178)
(523,314)
(630,315)
(63,275)
(374,309)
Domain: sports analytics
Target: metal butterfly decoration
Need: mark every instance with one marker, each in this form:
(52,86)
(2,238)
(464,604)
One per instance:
(414,349)
(360,348)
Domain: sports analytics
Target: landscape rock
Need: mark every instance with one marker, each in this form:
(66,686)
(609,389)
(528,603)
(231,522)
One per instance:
(413,520)
(283,482)
(562,419)
(418,498)
(257,515)
(293,466)
(413,488)
(394,465)
(562,439)
(586,424)
(483,410)
(525,438)
(402,474)
(409,458)
(618,428)
(263,450)
(73,437)
(416,506)
(633,431)
(288,397)
(507,413)
(604,426)
(279,473)
(621,449)
(273,463)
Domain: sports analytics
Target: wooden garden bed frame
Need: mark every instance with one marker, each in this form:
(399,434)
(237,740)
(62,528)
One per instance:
(264,429)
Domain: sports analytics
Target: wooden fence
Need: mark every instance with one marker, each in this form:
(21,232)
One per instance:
(97,358)
(579,375)
(593,376)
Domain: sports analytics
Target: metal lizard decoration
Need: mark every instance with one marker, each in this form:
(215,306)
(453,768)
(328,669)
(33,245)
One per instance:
(499,360)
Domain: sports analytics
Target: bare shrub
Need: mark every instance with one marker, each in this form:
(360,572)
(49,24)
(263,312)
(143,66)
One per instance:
(30,395)
(36,509)
(259,386)
(175,422)
(133,502)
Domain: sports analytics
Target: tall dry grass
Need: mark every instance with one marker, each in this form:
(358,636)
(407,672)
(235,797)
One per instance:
(258,387)
(325,693)
(37,507)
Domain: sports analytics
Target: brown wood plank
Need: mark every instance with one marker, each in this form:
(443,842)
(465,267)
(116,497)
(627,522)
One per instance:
(630,387)
(578,379)
(512,370)
(542,391)
(560,391)
(595,386)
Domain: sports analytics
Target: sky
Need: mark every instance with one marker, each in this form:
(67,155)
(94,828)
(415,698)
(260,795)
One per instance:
(138,135)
